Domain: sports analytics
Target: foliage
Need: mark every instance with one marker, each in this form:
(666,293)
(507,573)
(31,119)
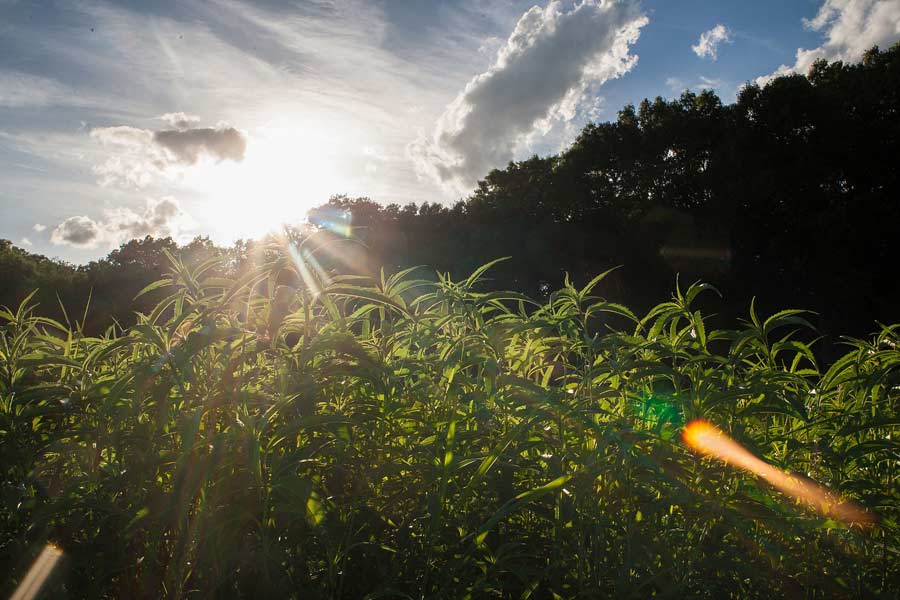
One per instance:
(779,195)
(21,273)
(109,284)
(289,434)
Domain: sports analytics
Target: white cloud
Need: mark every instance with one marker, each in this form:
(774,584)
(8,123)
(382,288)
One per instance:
(709,83)
(135,158)
(851,27)
(26,242)
(678,85)
(542,75)
(708,44)
(39,228)
(140,154)
(160,218)
(123,136)
(490,46)
(180,120)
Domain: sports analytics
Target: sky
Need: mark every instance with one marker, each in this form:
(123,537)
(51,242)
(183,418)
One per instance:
(228,118)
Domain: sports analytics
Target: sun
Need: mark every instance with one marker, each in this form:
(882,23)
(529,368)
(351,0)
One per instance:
(280,178)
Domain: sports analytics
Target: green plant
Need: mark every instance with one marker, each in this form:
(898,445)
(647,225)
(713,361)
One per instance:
(294,435)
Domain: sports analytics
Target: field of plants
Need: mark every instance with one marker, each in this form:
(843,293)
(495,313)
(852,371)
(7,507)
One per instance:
(294,434)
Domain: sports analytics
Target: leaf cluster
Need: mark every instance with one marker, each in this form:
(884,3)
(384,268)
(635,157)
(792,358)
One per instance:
(408,436)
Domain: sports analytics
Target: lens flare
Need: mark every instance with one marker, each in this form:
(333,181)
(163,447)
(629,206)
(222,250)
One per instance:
(311,272)
(335,220)
(707,439)
(41,572)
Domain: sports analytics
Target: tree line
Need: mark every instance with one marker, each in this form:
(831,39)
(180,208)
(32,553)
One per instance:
(789,195)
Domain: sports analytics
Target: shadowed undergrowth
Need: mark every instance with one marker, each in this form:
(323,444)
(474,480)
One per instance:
(292,434)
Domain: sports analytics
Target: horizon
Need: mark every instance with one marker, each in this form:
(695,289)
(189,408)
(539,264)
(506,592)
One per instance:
(229,119)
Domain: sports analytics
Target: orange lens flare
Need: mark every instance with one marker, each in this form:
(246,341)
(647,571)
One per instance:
(705,438)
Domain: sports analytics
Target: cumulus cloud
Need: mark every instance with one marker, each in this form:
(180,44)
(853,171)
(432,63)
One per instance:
(544,73)
(708,44)
(850,27)
(39,228)
(490,46)
(26,242)
(157,219)
(188,145)
(140,154)
(160,218)
(135,157)
(80,231)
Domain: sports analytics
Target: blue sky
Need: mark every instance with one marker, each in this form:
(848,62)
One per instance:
(227,118)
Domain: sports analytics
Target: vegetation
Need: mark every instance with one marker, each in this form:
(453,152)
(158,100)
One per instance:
(788,195)
(293,434)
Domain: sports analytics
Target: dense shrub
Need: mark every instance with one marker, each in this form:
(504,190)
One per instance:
(293,435)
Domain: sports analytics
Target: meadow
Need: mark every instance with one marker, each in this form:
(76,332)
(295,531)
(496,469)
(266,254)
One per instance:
(292,433)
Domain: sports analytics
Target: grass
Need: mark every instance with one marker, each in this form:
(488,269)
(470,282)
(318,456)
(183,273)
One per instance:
(295,435)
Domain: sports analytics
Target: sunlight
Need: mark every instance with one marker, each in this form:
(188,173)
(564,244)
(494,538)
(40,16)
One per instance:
(311,272)
(281,177)
(706,438)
